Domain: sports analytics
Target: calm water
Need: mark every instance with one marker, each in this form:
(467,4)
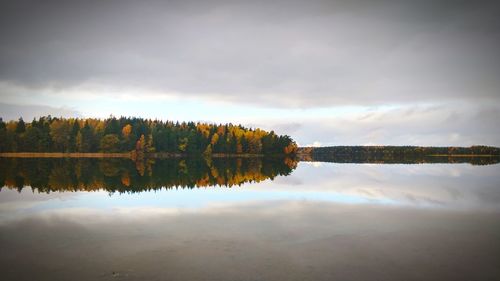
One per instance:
(247,219)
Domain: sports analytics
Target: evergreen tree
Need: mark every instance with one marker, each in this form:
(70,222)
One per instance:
(21,126)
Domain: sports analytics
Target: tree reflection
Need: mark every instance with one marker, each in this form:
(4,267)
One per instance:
(124,175)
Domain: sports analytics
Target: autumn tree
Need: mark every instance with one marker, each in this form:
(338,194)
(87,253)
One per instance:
(140,144)
(183,143)
(128,141)
(126,131)
(215,139)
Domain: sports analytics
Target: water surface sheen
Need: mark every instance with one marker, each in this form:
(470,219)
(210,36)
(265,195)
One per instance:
(247,219)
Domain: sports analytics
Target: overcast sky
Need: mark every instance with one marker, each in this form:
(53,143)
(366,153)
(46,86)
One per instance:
(325,72)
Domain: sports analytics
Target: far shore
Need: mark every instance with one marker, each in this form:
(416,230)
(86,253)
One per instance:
(462,155)
(477,151)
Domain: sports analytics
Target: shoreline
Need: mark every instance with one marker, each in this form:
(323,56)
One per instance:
(128,155)
(463,155)
(303,152)
(64,155)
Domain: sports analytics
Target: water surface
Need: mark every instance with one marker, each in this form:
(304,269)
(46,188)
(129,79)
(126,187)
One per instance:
(247,219)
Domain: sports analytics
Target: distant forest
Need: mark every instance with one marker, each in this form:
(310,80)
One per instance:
(402,150)
(475,155)
(49,134)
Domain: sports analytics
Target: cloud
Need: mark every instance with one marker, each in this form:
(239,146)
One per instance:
(277,54)
(28,112)
(458,124)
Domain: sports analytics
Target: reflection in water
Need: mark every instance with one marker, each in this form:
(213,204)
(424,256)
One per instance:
(444,186)
(122,175)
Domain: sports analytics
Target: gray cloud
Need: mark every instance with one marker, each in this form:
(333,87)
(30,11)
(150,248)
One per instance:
(28,112)
(273,53)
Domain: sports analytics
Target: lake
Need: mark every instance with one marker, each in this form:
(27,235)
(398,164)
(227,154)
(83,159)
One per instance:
(247,219)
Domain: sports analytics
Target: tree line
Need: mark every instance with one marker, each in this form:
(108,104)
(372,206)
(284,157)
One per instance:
(402,154)
(403,150)
(124,134)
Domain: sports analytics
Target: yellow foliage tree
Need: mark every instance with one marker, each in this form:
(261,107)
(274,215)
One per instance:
(215,139)
(126,131)
(183,144)
(291,148)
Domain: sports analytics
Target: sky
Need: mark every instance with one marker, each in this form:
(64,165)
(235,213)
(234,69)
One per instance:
(339,72)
